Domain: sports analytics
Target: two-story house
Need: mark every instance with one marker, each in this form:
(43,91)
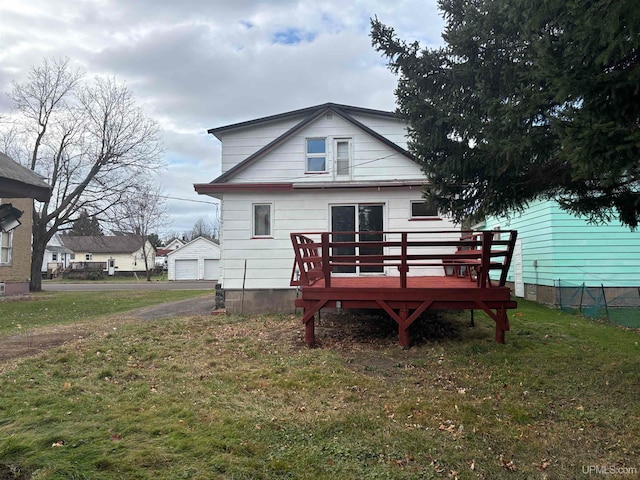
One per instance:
(328,167)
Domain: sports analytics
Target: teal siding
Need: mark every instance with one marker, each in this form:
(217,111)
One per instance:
(534,230)
(569,249)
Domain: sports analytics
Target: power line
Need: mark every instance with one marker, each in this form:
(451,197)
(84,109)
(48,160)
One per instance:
(188,200)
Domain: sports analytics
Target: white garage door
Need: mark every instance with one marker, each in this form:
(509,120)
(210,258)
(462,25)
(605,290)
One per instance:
(211,269)
(186,269)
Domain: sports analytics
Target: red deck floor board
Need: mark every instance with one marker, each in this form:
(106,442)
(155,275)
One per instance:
(439,282)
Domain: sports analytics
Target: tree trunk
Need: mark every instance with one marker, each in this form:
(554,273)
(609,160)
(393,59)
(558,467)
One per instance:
(37,254)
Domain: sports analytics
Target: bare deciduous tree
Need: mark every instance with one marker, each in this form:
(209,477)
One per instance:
(90,141)
(202,228)
(141,213)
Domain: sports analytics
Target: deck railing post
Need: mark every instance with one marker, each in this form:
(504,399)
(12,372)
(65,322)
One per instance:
(403,268)
(326,266)
(485,261)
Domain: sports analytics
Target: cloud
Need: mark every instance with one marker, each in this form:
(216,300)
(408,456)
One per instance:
(198,64)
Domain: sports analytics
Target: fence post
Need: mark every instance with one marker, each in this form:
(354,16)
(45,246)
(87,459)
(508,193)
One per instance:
(604,296)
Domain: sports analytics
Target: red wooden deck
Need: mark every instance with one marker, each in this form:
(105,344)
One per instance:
(465,283)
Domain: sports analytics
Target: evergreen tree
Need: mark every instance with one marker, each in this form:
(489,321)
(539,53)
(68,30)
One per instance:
(86,225)
(526,100)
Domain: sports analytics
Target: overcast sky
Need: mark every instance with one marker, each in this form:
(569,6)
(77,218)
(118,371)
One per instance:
(199,64)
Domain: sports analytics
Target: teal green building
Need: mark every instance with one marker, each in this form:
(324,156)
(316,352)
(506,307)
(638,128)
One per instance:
(561,259)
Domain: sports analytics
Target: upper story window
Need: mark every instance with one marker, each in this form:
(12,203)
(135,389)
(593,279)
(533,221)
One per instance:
(342,149)
(5,248)
(316,155)
(262,220)
(423,211)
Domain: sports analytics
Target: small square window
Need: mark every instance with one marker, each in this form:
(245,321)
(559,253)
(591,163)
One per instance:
(262,220)
(316,155)
(421,209)
(88,257)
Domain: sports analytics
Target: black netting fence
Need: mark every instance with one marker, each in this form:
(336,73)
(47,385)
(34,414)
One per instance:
(618,305)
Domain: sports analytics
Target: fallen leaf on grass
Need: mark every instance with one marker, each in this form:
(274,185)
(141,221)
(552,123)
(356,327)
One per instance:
(447,428)
(544,464)
(508,465)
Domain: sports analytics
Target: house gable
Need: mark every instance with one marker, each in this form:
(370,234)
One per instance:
(197,245)
(282,159)
(369,158)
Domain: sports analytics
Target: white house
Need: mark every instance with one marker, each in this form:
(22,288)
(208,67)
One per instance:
(119,254)
(56,257)
(197,260)
(322,168)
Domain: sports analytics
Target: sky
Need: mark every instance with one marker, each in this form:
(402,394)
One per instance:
(199,64)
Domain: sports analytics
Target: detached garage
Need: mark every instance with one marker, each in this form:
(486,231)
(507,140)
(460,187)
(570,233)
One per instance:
(197,260)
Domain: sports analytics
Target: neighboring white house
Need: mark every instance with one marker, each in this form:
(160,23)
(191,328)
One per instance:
(327,167)
(56,257)
(197,260)
(120,254)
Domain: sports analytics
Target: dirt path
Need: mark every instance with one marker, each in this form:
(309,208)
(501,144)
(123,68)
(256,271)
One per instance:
(40,339)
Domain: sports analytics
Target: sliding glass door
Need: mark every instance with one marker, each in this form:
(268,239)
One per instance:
(362,218)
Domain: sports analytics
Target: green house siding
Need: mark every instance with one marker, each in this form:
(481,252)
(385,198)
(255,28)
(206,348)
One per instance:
(569,249)
(534,231)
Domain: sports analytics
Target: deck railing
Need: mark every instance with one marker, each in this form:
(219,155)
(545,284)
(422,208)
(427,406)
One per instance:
(472,254)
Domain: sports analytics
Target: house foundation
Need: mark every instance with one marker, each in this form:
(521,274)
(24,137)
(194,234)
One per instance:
(258,301)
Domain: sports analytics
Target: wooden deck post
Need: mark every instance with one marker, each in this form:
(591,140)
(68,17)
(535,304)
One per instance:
(502,324)
(403,328)
(310,332)
(403,268)
(326,268)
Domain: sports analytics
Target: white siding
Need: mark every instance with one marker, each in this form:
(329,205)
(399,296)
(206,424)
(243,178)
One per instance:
(269,261)
(372,160)
(243,142)
(197,252)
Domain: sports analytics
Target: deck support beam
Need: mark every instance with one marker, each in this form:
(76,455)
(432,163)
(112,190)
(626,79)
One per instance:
(309,319)
(403,319)
(500,317)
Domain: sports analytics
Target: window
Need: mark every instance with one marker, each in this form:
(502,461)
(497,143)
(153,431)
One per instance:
(88,257)
(316,155)
(342,148)
(5,248)
(262,220)
(72,256)
(422,210)
(54,257)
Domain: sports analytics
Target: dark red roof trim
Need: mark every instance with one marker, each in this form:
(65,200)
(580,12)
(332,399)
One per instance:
(204,188)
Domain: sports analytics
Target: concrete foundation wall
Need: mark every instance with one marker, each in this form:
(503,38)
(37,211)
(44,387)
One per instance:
(615,296)
(253,302)
(15,288)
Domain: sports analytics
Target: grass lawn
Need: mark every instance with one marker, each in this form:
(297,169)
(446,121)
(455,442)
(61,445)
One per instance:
(63,308)
(242,398)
